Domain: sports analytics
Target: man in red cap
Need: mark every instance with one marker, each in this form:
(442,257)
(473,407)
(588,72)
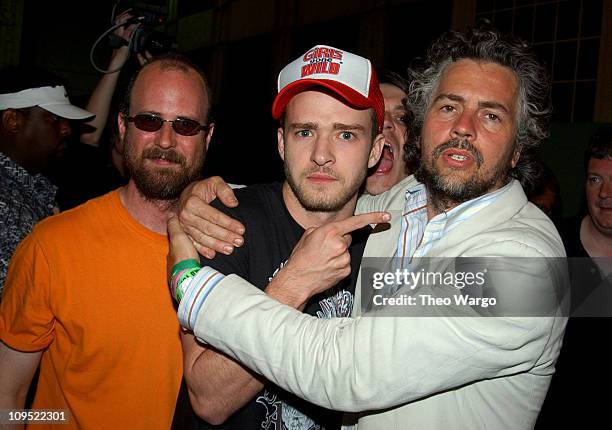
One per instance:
(331,113)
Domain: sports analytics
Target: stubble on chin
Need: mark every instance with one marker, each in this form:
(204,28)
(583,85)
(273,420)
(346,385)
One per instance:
(319,200)
(449,189)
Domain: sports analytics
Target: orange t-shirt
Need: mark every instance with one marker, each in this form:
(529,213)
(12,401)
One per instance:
(88,287)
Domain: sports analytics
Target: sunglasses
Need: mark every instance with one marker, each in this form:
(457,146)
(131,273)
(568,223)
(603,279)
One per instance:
(152,123)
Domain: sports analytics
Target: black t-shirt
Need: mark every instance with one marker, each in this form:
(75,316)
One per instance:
(581,372)
(271,234)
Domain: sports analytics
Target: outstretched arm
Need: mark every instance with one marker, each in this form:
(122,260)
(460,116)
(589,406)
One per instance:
(365,363)
(376,362)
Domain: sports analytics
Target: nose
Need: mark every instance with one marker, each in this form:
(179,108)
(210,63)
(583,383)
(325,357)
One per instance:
(389,124)
(606,188)
(322,152)
(463,127)
(65,128)
(165,136)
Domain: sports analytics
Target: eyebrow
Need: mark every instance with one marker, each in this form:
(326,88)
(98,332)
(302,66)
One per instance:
(336,126)
(483,104)
(303,125)
(597,172)
(340,126)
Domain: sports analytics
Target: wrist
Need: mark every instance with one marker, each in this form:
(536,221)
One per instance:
(119,57)
(181,275)
(285,290)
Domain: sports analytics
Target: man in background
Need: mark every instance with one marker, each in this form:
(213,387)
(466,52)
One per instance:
(392,167)
(34,122)
(582,367)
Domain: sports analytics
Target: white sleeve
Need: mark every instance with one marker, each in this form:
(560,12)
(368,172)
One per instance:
(369,362)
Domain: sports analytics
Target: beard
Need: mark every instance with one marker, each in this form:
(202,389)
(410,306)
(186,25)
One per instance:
(319,200)
(446,191)
(161,183)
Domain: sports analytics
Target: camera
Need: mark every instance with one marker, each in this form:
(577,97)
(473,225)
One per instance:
(145,38)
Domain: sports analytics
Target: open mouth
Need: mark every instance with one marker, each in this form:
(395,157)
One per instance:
(459,154)
(163,159)
(386,160)
(457,158)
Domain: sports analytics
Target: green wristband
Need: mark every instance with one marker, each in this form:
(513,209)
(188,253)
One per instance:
(189,273)
(185,264)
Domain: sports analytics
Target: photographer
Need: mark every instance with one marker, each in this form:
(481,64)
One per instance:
(101,97)
(90,170)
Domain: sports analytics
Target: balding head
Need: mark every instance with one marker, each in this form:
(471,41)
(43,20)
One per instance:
(169,62)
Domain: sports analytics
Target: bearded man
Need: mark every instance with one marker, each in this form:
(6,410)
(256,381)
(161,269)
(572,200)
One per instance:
(63,305)
(480,100)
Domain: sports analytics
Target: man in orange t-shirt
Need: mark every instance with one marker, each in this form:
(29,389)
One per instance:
(108,362)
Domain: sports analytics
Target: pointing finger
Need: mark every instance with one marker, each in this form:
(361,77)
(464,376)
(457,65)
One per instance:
(358,221)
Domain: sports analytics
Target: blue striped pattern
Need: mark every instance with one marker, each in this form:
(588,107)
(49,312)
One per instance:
(417,236)
(195,293)
(414,221)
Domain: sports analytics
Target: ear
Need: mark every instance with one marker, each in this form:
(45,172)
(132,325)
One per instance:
(12,121)
(376,150)
(280,134)
(209,133)
(515,158)
(121,123)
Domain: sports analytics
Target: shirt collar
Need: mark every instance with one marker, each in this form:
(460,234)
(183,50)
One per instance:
(418,235)
(466,209)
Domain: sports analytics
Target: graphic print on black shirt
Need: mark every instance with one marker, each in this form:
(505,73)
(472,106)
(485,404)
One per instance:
(271,234)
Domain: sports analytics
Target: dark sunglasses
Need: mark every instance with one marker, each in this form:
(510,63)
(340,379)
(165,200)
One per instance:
(152,123)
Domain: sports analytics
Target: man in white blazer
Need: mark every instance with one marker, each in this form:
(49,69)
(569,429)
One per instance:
(480,100)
